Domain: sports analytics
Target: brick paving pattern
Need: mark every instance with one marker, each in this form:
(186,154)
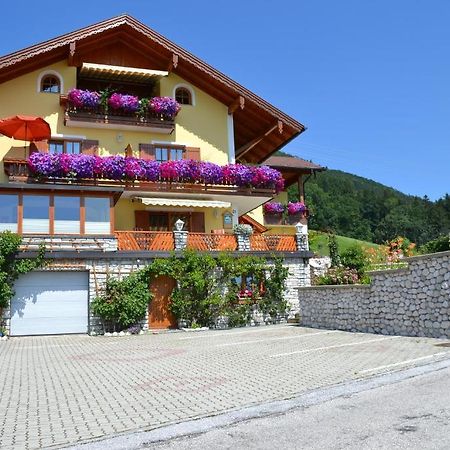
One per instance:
(56,391)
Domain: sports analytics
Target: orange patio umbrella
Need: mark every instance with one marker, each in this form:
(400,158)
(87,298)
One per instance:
(25,128)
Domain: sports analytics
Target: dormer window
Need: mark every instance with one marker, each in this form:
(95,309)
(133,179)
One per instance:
(183,96)
(50,84)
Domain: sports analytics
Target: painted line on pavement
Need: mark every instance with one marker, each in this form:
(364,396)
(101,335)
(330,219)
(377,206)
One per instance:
(276,339)
(332,346)
(403,362)
(211,334)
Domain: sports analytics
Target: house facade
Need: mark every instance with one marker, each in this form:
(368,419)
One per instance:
(144,136)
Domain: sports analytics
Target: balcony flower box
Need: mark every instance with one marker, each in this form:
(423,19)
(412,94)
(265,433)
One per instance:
(118,168)
(295,212)
(273,213)
(273,219)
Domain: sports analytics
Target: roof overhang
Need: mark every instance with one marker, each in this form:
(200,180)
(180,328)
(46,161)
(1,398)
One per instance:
(108,72)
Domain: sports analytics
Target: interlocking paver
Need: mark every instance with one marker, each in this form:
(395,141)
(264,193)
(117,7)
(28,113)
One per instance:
(65,389)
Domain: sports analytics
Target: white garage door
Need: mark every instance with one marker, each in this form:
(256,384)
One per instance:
(50,303)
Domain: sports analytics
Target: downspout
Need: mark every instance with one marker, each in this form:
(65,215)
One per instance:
(230,131)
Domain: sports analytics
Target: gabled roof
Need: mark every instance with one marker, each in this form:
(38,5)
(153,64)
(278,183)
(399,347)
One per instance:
(291,167)
(260,128)
(292,162)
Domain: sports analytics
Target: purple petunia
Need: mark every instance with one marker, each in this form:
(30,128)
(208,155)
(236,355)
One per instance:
(124,102)
(120,168)
(295,208)
(273,208)
(166,106)
(83,98)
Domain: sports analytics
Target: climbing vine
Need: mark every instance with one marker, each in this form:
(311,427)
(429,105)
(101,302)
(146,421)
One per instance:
(11,267)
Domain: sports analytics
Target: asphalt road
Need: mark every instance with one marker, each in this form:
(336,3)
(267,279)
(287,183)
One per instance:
(410,413)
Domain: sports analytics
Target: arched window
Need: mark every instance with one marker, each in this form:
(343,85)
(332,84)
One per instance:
(183,96)
(50,84)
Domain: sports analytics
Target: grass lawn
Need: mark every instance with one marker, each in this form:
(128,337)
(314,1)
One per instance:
(318,243)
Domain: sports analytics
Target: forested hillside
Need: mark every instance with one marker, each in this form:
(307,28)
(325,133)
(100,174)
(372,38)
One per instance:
(353,206)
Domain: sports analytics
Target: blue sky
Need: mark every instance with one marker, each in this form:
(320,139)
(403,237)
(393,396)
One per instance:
(370,80)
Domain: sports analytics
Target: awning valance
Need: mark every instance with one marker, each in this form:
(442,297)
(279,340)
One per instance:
(108,72)
(184,202)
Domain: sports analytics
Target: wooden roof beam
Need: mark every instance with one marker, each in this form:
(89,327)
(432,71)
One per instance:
(254,142)
(173,63)
(72,48)
(239,102)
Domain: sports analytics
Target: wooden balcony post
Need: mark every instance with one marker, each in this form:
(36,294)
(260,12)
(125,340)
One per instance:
(301,191)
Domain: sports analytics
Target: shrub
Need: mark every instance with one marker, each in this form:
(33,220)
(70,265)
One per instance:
(355,258)
(124,302)
(338,275)
(440,244)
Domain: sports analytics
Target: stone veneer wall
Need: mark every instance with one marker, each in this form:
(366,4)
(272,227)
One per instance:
(101,267)
(409,302)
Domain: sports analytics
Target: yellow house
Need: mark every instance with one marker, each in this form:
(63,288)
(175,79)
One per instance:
(107,90)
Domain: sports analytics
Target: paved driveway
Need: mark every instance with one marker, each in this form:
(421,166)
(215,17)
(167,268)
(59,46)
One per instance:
(60,390)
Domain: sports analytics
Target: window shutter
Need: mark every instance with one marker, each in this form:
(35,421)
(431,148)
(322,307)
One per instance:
(147,151)
(39,146)
(89,147)
(142,220)
(192,153)
(198,222)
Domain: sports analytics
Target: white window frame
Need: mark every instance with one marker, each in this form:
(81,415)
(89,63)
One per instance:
(52,73)
(189,88)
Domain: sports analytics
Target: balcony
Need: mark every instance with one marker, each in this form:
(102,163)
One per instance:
(164,241)
(104,118)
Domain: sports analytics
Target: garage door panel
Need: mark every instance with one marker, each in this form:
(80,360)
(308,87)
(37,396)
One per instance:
(50,303)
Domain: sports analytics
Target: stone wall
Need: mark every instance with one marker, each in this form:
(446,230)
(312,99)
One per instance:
(113,265)
(411,302)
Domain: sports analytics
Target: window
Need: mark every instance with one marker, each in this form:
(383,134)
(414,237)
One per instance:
(8,212)
(36,214)
(50,84)
(69,147)
(169,153)
(54,214)
(183,96)
(97,211)
(67,215)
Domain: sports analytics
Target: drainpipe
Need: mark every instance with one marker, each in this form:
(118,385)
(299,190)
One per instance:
(231,149)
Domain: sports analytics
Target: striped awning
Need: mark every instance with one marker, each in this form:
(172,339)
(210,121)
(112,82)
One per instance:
(106,72)
(184,202)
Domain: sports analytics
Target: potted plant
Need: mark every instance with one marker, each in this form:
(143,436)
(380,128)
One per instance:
(273,213)
(295,211)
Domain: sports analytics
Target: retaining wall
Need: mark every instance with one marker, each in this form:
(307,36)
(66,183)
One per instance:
(411,302)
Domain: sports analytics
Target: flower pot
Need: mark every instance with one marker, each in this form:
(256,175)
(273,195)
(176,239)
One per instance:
(273,219)
(293,219)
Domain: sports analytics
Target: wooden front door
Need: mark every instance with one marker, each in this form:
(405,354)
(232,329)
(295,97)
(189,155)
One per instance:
(159,315)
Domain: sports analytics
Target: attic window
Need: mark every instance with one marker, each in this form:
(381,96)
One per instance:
(183,96)
(50,84)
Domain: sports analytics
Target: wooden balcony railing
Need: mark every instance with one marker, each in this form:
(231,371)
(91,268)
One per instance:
(100,117)
(17,170)
(145,240)
(205,242)
(272,242)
